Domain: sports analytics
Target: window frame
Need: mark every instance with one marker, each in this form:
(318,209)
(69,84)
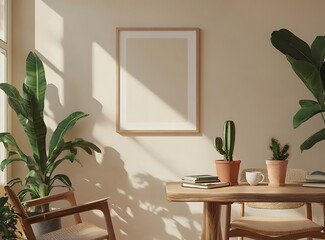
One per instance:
(5,48)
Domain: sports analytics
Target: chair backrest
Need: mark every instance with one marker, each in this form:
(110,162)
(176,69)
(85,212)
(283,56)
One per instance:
(68,196)
(296,175)
(293,175)
(80,230)
(16,202)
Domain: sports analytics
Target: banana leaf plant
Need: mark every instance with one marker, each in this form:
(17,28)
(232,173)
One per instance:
(42,163)
(308,63)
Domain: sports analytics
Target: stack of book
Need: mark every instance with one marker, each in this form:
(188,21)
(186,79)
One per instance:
(315,179)
(202,181)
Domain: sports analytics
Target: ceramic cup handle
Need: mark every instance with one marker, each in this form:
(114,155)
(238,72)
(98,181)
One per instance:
(262,178)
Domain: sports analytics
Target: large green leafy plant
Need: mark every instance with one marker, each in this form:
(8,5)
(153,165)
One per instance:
(308,63)
(29,108)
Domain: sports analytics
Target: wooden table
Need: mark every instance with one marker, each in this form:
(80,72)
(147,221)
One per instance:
(214,198)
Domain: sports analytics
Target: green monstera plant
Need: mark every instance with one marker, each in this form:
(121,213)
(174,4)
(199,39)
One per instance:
(308,63)
(41,165)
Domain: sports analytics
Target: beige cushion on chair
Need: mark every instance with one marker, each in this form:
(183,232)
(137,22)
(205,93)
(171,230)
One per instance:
(275,205)
(81,231)
(275,225)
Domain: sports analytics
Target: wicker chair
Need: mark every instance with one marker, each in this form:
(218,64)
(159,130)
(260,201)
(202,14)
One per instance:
(81,230)
(267,228)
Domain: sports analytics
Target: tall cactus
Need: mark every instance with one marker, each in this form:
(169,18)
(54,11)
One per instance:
(226,148)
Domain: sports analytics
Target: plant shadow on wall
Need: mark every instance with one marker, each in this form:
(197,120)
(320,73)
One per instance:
(139,206)
(136,201)
(141,209)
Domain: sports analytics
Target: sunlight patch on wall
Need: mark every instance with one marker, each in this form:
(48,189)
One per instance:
(2,20)
(54,97)
(103,81)
(171,228)
(179,225)
(49,34)
(103,65)
(99,157)
(98,213)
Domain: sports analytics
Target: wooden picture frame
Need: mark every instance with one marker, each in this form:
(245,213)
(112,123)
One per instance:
(158,81)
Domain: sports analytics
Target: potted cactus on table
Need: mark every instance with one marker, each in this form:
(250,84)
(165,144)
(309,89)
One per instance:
(228,168)
(277,166)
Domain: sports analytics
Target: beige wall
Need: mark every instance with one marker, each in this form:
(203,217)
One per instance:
(243,78)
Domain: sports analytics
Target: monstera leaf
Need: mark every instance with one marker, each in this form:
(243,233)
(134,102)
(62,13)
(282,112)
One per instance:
(308,63)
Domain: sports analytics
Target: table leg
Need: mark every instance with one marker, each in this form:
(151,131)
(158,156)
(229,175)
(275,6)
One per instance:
(211,221)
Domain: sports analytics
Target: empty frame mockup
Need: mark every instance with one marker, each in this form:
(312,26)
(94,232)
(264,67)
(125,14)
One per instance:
(158,81)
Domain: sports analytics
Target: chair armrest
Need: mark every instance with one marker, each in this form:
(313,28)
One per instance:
(100,204)
(52,198)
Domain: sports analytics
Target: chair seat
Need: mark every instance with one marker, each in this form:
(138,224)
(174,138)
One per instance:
(81,231)
(275,225)
(274,205)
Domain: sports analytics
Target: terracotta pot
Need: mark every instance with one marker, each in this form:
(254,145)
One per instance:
(276,170)
(228,171)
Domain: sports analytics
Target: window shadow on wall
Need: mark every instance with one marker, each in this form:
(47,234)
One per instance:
(138,204)
(139,207)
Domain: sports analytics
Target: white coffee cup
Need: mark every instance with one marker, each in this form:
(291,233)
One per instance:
(254,178)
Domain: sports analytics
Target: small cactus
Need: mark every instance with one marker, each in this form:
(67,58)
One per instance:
(279,152)
(226,147)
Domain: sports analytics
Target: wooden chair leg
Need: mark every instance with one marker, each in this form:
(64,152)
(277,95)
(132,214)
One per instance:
(242,214)
(203,235)
(219,237)
(228,219)
(309,214)
(323,206)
